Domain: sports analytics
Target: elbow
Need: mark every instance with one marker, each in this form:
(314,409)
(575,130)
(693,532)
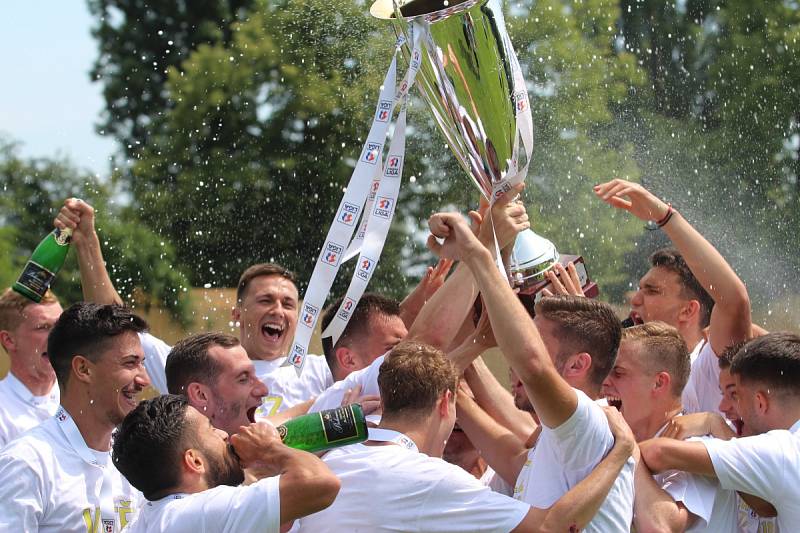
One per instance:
(327,488)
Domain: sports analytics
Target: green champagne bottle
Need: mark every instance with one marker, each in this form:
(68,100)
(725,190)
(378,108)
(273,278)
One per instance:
(42,267)
(324,430)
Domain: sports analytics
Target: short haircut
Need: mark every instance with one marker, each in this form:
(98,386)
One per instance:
(727,356)
(772,360)
(85,329)
(189,360)
(12,304)
(149,444)
(584,325)
(672,260)
(358,326)
(256,271)
(662,350)
(413,377)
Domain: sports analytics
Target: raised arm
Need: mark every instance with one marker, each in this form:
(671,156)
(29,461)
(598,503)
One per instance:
(78,216)
(441,317)
(498,403)
(575,509)
(504,451)
(730,319)
(517,336)
(433,279)
(307,485)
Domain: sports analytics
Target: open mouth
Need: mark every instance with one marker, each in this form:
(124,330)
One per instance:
(131,396)
(636,318)
(272,332)
(251,414)
(614,401)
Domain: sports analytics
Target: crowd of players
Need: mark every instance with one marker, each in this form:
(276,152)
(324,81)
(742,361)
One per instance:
(688,420)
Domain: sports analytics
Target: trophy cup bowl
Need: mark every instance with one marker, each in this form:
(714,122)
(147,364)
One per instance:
(466,77)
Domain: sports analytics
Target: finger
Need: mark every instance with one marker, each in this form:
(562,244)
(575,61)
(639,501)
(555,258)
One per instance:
(69,214)
(546,292)
(614,190)
(619,203)
(439,226)
(514,210)
(63,222)
(558,287)
(565,279)
(574,278)
(434,246)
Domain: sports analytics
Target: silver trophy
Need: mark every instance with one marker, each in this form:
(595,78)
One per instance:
(467,77)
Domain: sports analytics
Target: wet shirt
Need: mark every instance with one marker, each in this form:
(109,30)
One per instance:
(21,410)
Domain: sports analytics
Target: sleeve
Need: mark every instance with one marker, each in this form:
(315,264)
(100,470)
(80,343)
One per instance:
(367,378)
(754,465)
(256,507)
(696,493)
(21,496)
(704,380)
(461,503)
(584,438)
(155,360)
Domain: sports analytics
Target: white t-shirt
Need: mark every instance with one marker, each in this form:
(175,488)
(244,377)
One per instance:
(46,486)
(391,488)
(222,509)
(286,389)
(714,507)
(492,479)
(767,466)
(564,456)
(366,378)
(20,410)
(702,393)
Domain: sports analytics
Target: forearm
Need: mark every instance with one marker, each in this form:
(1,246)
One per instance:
(653,508)
(578,506)
(519,340)
(307,485)
(441,317)
(502,450)
(498,403)
(718,278)
(95,282)
(662,454)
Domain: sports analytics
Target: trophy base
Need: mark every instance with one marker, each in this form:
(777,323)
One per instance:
(529,294)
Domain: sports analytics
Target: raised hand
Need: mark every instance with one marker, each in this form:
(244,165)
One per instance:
(459,241)
(369,403)
(508,216)
(633,198)
(78,216)
(563,280)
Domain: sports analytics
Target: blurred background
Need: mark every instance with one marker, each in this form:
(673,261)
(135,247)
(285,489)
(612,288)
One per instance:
(213,134)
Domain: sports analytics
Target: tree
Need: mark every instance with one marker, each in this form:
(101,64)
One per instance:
(34,191)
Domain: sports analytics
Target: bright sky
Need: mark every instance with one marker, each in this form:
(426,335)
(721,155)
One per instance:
(47,102)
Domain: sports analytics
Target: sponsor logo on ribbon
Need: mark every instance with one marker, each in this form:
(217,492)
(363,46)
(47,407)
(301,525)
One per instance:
(309,315)
(365,267)
(348,214)
(347,307)
(384,111)
(297,354)
(393,166)
(383,207)
(521,99)
(372,152)
(332,254)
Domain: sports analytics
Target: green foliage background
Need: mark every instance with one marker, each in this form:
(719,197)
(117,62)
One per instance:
(238,124)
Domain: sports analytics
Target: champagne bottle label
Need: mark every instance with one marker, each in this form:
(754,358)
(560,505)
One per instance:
(339,424)
(36,278)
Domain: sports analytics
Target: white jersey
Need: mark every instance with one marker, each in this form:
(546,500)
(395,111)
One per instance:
(565,455)
(47,485)
(285,388)
(20,410)
(366,378)
(702,393)
(393,488)
(223,509)
(767,466)
(714,507)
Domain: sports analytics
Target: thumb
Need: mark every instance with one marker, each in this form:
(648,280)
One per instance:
(510,194)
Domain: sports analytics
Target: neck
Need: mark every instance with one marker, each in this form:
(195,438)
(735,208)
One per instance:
(39,386)
(188,485)
(589,389)
(418,431)
(660,415)
(95,428)
(789,416)
(691,335)
(256,356)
